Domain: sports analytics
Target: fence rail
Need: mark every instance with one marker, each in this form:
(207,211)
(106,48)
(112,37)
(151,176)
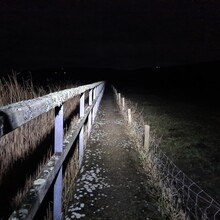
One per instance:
(14,115)
(182,192)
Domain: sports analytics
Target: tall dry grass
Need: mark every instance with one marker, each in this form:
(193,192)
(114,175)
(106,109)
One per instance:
(25,150)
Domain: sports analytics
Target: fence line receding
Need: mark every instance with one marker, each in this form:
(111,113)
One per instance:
(183,193)
(15,115)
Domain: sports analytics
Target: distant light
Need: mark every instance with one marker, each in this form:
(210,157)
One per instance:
(64,72)
(157,67)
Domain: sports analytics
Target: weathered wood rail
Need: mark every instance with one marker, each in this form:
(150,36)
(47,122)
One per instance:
(14,115)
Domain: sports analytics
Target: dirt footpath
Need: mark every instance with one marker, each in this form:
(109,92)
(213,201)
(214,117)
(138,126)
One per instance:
(111,183)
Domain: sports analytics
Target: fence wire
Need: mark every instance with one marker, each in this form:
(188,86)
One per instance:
(183,192)
(186,194)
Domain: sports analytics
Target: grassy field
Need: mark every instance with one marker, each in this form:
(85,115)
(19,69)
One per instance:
(189,134)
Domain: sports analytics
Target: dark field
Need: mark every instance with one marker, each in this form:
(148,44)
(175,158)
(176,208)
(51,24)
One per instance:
(182,108)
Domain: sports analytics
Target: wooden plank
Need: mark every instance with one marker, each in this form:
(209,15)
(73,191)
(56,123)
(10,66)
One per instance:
(14,115)
(39,189)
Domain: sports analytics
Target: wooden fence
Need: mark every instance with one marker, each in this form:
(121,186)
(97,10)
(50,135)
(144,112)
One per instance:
(15,115)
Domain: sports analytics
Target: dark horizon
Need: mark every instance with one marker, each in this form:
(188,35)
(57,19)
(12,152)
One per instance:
(195,82)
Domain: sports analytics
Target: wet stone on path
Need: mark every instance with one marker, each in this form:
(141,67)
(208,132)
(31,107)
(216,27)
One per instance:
(111,183)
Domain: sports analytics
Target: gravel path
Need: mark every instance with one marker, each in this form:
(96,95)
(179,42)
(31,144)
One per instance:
(111,183)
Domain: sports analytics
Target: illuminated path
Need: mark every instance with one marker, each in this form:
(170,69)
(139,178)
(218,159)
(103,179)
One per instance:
(111,183)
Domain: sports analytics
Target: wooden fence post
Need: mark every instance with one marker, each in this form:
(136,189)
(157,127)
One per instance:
(123,103)
(93,109)
(146,137)
(119,98)
(129,116)
(58,149)
(90,114)
(81,134)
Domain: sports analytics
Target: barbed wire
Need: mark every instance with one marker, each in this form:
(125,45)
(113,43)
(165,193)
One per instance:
(182,192)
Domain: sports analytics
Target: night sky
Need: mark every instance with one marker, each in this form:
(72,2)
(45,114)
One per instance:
(100,33)
(125,34)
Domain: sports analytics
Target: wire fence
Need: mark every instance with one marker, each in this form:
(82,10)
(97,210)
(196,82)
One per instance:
(183,192)
(185,198)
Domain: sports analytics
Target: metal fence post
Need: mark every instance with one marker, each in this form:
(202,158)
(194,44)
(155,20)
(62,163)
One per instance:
(58,148)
